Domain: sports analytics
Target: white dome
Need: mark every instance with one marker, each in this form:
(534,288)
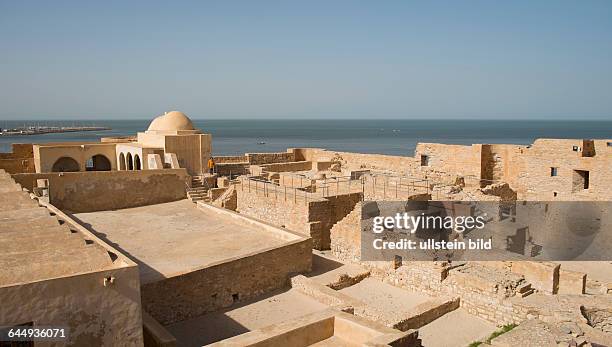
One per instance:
(171,121)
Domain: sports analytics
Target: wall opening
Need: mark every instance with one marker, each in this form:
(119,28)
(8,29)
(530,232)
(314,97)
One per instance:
(588,148)
(65,164)
(121,161)
(137,165)
(424,160)
(98,162)
(554,171)
(580,180)
(129,162)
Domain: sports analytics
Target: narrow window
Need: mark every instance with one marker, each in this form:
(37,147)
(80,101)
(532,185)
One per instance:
(553,171)
(575,148)
(555,194)
(424,160)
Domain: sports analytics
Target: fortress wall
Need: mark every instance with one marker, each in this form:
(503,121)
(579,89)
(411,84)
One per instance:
(354,161)
(269,158)
(108,190)
(289,166)
(452,159)
(13,166)
(502,163)
(96,315)
(222,284)
(19,160)
(227,159)
(536,183)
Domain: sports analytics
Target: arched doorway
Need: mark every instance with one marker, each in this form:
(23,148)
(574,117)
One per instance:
(137,165)
(121,161)
(130,162)
(98,162)
(65,164)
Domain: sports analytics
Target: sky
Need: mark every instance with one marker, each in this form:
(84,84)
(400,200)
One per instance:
(306,59)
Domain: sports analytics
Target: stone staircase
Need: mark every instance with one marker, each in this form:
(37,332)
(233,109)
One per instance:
(525,290)
(198,190)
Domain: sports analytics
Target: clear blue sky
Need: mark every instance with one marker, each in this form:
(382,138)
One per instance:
(303,59)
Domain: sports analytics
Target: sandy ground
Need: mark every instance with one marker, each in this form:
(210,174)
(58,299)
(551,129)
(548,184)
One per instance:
(385,297)
(456,328)
(177,237)
(270,309)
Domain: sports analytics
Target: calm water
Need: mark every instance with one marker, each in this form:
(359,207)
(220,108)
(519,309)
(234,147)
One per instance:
(396,137)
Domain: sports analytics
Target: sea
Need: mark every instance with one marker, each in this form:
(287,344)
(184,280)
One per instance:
(382,136)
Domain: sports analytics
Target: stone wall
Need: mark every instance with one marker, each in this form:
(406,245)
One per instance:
(288,166)
(220,285)
(305,213)
(453,159)
(96,315)
(269,158)
(108,190)
(226,159)
(536,182)
(19,160)
(355,161)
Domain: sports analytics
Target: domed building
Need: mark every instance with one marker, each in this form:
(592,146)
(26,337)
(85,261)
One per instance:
(173,122)
(171,141)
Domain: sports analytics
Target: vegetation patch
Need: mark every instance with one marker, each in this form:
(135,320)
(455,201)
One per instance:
(504,329)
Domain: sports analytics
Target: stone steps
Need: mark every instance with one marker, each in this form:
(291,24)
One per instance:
(525,290)
(198,190)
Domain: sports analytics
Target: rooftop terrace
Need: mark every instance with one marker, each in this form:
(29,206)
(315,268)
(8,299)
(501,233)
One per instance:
(174,238)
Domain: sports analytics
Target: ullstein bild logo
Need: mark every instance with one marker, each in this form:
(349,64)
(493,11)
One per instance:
(460,230)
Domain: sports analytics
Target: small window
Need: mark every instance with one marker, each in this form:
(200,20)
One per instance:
(555,194)
(424,160)
(575,148)
(553,171)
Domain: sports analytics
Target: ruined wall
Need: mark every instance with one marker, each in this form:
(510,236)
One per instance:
(501,163)
(192,294)
(313,216)
(452,159)
(354,161)
(535,181)
(269,158)
(108,190)
(288,166)
(272,208)
(226,159)
(96,315)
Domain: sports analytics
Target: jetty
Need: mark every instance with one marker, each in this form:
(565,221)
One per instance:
(38,130)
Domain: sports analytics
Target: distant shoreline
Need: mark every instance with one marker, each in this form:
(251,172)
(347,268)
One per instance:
(48,130)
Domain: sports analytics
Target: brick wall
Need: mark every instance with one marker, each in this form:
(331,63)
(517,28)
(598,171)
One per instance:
(206,290)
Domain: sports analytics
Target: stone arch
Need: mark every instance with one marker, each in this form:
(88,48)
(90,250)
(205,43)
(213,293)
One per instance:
(137,163)
(129,161)
(98,162)
(66,164)
(121,161)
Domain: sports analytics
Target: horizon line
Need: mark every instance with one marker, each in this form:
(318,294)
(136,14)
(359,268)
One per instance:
(317,118)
